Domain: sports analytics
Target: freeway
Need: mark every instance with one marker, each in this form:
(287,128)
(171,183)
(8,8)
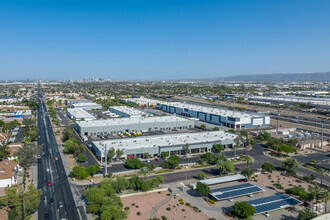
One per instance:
(50,168)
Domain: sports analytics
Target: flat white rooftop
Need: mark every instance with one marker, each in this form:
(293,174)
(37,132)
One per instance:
(80,113)
(223,179)
(129,110)
(77,105)
(143,101)
(166,140)
(127,121)
(316,101)
(210,110)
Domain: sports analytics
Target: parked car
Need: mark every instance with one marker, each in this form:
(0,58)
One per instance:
(60,204)
(49,183)
(156,159)
(51,201)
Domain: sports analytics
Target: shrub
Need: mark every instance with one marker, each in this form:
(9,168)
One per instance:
(183,210)
(244,209)
(212,202)
(164,217)
(126,208)
(168,208)
(187,204)
(138,213)
(278,186)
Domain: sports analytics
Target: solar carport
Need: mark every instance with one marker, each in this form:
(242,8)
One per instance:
(235,191)
(223,179)
(272,203)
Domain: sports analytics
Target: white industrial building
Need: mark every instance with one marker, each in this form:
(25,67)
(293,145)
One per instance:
(199,142)
(87,106)
(79,114)
(224,117)
(128,112)
(117,126)
(294,100)
(142,101)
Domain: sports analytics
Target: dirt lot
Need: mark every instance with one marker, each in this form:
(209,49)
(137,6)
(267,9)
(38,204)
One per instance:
(160,204)
(286,181)
(179,211)
(143,204)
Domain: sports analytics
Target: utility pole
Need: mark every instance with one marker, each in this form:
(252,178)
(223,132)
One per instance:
(105,161)
(321,136)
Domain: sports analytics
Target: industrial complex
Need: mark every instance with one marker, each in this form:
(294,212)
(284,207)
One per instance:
(126,112)
(224,117)
(87,106)
(141,124)
(198,142)
(142,101)
(79,114)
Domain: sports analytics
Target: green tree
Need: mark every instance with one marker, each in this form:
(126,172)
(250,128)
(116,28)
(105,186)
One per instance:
(82,158)
(67,133)
(218,148)
(225,166)
(248,158)
(290,164)
(144,171)
(134,163)
(203,126)
(14,197)
(203,189)
(322,172)
(80,172)
(111,154)
(172,162)
(147,155)
(316,191)
(164,154)
(216,129)
(120,184)
(27,155)
(202,175)
(266,135)
(267,167)
(93,169)
(244,209)
(4,152)
(112,212)
(119,153)
(306,214)
(186,149)
(247,172)
(232,131)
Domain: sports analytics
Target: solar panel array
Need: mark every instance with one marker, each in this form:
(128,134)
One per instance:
(235,191)
(274,202)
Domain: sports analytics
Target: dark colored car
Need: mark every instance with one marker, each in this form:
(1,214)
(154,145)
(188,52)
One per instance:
(46,215)
(51,201)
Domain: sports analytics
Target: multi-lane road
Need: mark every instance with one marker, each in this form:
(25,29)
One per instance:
(50,168)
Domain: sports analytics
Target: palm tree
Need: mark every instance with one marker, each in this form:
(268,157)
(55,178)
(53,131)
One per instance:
(248,158)
(325,198)
(119,153)
(186,149)
(221,156)
(220,164)
(144,171)
(316,190)
(322,172)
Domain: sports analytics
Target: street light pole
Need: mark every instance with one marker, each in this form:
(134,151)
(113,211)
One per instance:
(105,161)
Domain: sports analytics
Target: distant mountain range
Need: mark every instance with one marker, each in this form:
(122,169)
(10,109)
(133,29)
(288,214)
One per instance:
(275,77)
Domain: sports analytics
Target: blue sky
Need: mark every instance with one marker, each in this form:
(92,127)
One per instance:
(162,39)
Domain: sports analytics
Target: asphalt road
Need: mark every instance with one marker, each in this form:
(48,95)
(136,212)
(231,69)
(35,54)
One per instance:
(50,169)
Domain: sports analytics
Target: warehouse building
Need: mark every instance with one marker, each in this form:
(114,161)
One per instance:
(116,126)
(224,117)
(175,144)
(79,114)
(128,112)
(70,102)
(87,106)
(18,114)
(142,101)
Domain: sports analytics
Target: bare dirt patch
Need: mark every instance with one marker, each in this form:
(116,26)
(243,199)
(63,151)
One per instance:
(143,203)
(269,179)
(174,210)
